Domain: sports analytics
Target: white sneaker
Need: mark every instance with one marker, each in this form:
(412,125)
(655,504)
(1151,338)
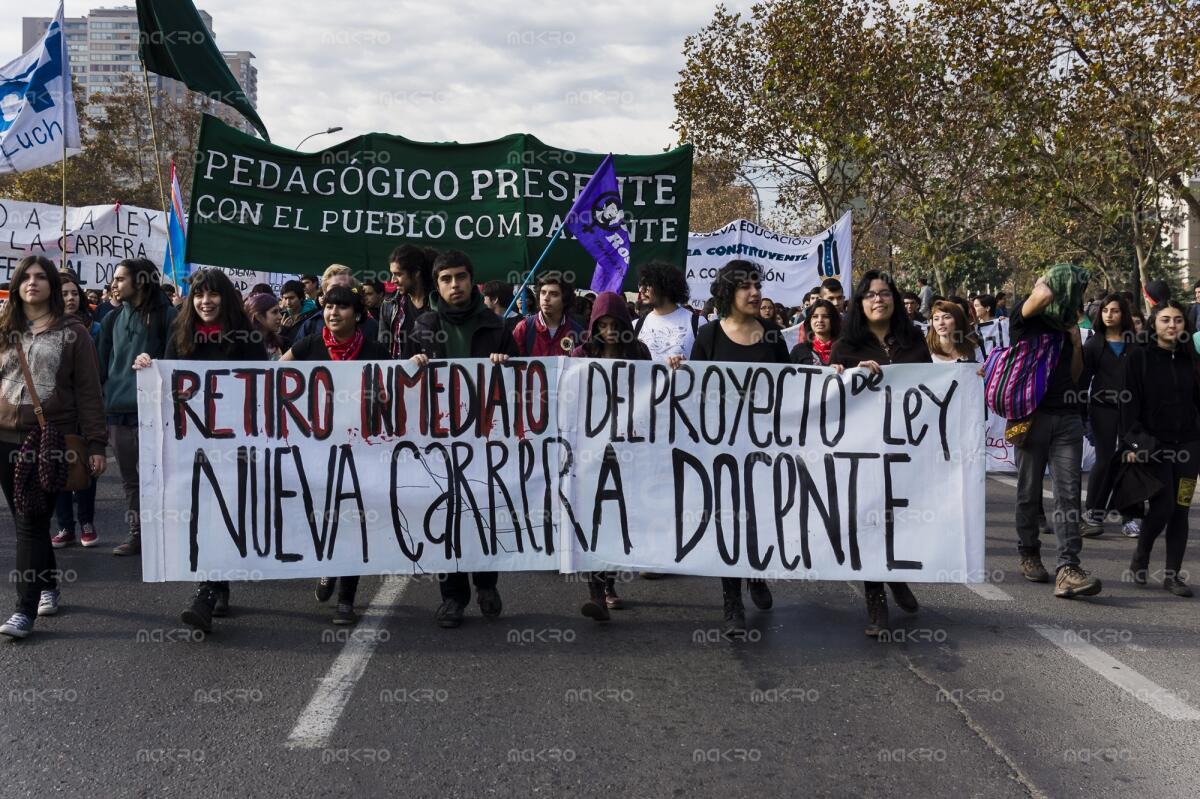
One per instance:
(48,603)
(18,626)
(1132,528)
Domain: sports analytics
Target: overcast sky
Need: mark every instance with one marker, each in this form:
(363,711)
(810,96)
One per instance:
(581,75)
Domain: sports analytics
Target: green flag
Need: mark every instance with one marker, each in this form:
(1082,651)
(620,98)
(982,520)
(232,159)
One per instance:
(176,43)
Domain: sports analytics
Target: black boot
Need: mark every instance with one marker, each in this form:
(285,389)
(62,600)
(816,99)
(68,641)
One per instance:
(904,597)
(735,613)
(596,608)
(200,614)
(221,603)
(760,594)
(877,610)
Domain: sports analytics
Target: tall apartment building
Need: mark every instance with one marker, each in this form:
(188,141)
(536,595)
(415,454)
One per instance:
(103,48)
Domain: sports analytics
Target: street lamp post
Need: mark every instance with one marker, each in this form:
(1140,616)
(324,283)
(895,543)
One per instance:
(318,133)
(757,197)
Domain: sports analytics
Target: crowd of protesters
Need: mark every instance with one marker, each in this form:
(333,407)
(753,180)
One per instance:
(1126,383)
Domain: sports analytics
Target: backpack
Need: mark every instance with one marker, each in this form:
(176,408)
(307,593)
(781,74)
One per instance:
(531,332)
(1015,377)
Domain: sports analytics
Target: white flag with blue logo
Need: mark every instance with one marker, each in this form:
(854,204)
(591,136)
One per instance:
(37,109)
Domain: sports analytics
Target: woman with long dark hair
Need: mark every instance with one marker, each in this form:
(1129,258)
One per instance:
(1104,356)
(1160,428)
(212,326)
(341,339)
(822,325)
(741,335)
(411,269)
(878,332)
(609,335)
(266,319)
(75,304)
(48,369)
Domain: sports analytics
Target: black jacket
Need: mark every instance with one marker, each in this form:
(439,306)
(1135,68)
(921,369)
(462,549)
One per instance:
(1163,395)
(241,346)
(489,338)
(403,346)
(850,355)
(1104,370)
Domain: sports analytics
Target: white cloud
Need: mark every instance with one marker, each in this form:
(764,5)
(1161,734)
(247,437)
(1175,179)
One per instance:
(596,76)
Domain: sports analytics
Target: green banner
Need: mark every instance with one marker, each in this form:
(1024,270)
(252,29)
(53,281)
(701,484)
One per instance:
(255,205)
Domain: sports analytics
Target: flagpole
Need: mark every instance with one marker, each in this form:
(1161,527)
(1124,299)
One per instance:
(162,197)
(536,266)
(64,188)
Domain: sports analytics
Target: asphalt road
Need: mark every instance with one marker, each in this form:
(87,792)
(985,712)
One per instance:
(995,691)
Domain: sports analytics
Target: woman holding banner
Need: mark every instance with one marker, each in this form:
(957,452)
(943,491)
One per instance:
(211,326)
(341,339)
(609,335)
(49,387)
(878,333)
(744,336)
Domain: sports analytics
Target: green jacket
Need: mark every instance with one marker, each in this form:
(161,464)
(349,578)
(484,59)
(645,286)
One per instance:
(123,336)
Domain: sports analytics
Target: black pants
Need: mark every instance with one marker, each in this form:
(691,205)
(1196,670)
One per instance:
(457,586)
(36,569)
(1106,422)
(1168,511)
(732,586)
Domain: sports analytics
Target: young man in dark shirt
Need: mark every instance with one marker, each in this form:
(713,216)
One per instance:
(1055,435)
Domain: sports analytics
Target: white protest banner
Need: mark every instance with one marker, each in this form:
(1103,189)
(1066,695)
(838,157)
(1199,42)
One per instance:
(792,265)
(246,279)
(265,471)
(38,125)
(98,237)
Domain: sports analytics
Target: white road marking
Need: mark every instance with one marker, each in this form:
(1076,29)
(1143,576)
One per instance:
(1141,688)
(989,591)
(316,724)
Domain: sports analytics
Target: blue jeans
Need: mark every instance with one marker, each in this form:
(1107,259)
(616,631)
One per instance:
(65,507)
(1054,439)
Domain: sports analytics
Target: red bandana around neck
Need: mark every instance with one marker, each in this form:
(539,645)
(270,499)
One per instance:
(346,351)
(208,333)
(823,349)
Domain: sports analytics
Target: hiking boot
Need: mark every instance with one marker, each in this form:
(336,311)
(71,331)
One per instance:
(199,615)
(220,603)
(596,608)
(48,603)
(1138,567)
(1131,528)
(735,617)
(63,538)
(905,599)
(1032,568)
(760,594)
(344,614)
(88,536)
(877,612)
(1177,586)
(489,602)
(449,614)
(325,587)
(132,546)
(18,626)
(1072,581)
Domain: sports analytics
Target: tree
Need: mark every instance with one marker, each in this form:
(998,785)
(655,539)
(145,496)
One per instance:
(717,199)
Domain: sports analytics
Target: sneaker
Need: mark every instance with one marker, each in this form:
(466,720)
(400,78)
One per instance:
(735,617)
(220,603)
(1072,581)
(1177,586)
(596,608)
(1033,570)
(132,546)
(48,603)
(325,587)
(345,614)
(1092,524)
(760,594)
(450,614)
(489,602)
(877,612)
(612,601)
(63,538)
(199,615)
(906,600)
(88,536)
(18,626)
(1132,528)
(650,575)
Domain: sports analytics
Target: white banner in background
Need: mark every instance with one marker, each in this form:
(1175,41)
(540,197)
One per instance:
(792,265)
(269,470)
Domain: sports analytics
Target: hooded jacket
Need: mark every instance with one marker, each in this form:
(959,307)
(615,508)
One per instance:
(489,337)
(1162,395)
(609,303)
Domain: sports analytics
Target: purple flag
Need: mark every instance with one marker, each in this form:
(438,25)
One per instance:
(595,219)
